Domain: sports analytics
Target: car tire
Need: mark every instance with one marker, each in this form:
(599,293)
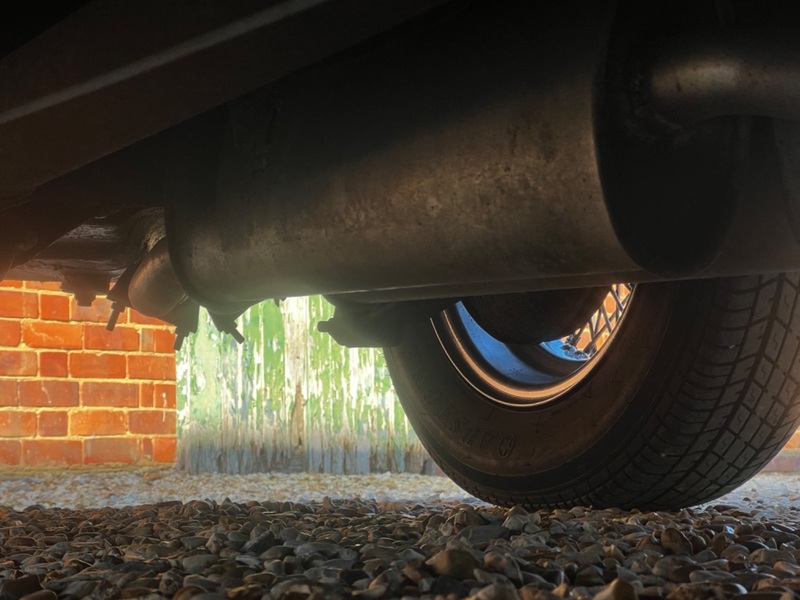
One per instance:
(695,392)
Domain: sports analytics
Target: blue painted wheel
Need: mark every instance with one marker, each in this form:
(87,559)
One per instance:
(530,374)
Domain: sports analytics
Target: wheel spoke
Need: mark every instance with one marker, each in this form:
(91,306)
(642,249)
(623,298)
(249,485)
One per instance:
(595,332)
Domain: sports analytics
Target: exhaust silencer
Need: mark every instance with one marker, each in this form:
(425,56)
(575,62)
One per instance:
(459,157)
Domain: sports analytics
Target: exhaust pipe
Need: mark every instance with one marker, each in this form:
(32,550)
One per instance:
(154,289)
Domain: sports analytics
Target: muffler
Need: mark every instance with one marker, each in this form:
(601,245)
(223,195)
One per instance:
(449,160)
(501,148)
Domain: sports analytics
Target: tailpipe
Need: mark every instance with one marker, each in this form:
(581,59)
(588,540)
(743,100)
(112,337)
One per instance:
(154,289)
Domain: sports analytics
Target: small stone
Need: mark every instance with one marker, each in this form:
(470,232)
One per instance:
(350,576)
(16,588)
(735,553)
(787,566)
(260,543)
(769,556)
(556,576)
(326,549)
(392,579)
(445,586)
(613,551)
(373,593)
(410,554)
(589,576)
(260,578)
(668,568)
(244,592)
(200,596)
(187,592)
(701,575)
(532,592)
(458,564)
(618,589)
(198,562)
(292,588)
(41,595)
(516,523)
(486,578)
(683,573)
(705,556)
(81,588)
(479,536)
(129,593)
(497,591)
(698,542)
(675,542)
(171,582)
(20,541)
(197,580)
(193,541)
(216,543)
(720,542)
(277,552)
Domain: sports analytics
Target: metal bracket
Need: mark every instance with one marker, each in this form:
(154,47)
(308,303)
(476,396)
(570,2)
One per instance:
(376,325)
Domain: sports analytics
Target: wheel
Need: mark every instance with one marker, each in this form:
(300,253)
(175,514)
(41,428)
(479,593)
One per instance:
(692,392)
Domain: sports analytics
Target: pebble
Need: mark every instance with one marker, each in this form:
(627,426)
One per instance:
(458,564)
(380,549)
(376,550)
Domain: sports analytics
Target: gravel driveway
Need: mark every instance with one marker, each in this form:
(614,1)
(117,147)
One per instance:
(293,537)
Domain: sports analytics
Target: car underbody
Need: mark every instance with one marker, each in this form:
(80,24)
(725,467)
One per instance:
(511,159)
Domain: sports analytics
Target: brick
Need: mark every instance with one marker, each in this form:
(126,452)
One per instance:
(53,364)
(164,341)
(97,421)
(97,337)
(47,393)
(164,449)
(47,334)
(146,394)
(151,367)
(10,333)
(97,366)
(53,308)
(37,453)
(53,286)
(101,393)
(18,304)
(10,453)
(164,395)
(11,283)
(14,362)
(148,339)
(147,449)
(17,424)
(137,317)
(53,423)
(98,312)
(151,421)
(112,450)
(8,392)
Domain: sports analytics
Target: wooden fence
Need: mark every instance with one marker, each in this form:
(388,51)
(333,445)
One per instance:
(289,399)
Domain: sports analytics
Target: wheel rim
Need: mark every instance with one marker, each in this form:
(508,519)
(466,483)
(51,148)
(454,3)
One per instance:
(530,375)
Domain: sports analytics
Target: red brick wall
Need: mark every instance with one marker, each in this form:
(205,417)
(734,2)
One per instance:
(72,393)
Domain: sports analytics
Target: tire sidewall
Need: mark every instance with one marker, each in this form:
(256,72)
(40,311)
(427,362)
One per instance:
(506,447)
